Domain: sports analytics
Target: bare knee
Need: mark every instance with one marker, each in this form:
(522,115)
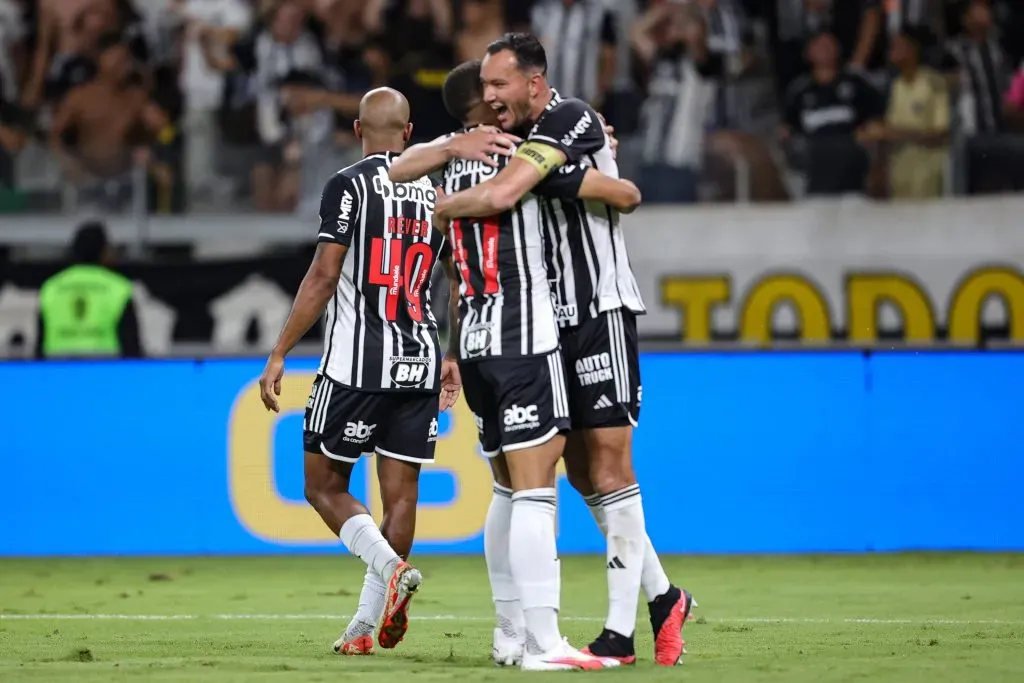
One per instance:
(323,479)
(610,458)
(577,466)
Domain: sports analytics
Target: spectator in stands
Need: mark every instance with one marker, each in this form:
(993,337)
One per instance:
(416,37)
(87,310)
(981,72)
(482,22)
(102,129)
(12,131)
(217,26)
(1014,108)
(345,43)
(857,26)
(678,107)
(831,108)
(916,127)
(581,40)
(67,40)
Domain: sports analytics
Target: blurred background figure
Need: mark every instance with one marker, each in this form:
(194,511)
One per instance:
(916,131)
(87,309)
(257,97)
(680,100)
(833,110)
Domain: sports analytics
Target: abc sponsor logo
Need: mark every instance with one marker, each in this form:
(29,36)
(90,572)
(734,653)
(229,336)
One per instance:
(358,432)
(518,418)
(432,432)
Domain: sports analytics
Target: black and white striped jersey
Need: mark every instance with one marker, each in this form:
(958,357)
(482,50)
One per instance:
(584,247)
(505,300)
(380,332)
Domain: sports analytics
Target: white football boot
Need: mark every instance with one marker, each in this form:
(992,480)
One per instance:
(564,657)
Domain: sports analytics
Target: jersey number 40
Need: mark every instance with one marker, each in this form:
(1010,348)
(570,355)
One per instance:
(401,277)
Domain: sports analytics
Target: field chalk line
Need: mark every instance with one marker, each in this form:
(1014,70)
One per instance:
(457,618)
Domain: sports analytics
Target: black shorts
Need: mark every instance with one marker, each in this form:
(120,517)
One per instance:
(517,402)
(343,423)
(602,359)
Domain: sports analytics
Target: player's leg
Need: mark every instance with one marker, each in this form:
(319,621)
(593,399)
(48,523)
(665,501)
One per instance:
(399,489)
(510,630)
(509,633)
(534,415)
(407,443)
(605,389)
(339,426)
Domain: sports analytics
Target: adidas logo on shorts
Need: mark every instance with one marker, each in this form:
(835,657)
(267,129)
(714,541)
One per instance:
(603,402)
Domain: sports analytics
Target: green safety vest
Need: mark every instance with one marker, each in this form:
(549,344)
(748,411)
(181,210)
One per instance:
(81,309)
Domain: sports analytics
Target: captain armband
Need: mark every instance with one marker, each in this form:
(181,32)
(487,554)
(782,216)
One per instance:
(542,157)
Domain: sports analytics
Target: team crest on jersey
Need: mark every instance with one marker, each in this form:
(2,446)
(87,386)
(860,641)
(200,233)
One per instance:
(409,372)
(476,339)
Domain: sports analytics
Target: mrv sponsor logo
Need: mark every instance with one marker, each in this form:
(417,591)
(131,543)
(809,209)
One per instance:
(419,193)
(517,418)
(344,212)
(358,432)
(594,369)
(409,372)
(579,129)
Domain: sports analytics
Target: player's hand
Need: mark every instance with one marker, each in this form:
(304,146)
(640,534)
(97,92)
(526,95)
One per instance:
(481,143)
(451,383)
(609,130)
(270,382)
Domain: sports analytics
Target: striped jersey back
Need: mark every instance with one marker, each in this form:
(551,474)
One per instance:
(504,297)
(380,332)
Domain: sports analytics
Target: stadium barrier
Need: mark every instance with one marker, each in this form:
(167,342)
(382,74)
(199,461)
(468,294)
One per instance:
(759,452)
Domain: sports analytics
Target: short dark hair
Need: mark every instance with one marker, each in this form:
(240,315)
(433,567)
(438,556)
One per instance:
(527,49)
(89,243)
(461,89)
(110,39)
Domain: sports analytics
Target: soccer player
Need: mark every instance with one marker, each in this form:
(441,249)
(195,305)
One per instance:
(508,320)
(378,385)
(597,301)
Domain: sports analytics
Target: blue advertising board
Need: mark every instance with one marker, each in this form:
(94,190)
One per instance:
(736,453)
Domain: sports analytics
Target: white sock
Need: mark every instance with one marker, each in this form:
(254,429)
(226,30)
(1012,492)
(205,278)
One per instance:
(535,566)
(371,606)
(497,526)
(654,581)
(626,540)
(364,540)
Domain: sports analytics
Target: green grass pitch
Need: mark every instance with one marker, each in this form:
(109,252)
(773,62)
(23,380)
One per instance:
(883,619)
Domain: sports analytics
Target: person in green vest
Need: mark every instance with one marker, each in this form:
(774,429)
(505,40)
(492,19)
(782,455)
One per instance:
(86,310)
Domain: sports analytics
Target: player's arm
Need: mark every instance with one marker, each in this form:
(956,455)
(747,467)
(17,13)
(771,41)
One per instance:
(479,144)
(564,135)
(339,207)
(533,162)
(619,193)
(578,182)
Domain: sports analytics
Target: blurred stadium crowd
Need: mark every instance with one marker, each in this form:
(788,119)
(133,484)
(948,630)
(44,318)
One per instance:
(235,105)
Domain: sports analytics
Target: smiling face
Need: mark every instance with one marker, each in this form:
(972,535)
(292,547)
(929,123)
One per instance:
(507,90)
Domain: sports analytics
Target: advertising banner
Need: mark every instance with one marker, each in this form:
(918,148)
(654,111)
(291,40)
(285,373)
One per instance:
(754,452)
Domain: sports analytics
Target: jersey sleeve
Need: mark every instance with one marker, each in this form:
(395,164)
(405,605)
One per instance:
(573,128)
(563,183)
(339,208)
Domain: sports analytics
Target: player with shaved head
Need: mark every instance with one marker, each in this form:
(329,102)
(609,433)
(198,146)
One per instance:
(382,378)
